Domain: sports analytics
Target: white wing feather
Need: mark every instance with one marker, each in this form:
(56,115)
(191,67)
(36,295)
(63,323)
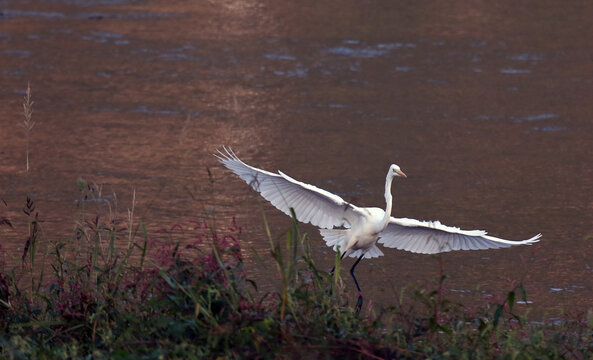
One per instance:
(431,237)
(311,204)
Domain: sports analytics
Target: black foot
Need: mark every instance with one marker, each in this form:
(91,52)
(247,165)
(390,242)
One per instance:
(359,303)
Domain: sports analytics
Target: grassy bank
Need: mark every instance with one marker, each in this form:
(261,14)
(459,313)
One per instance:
(116,290)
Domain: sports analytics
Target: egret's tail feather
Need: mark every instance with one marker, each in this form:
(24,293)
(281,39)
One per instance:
(335,238)
(373,252)
(339,238)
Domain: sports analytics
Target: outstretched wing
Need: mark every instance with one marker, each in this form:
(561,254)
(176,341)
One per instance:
(311,204)
(431,237)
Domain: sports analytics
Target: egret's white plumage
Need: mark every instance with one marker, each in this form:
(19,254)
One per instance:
(357,230)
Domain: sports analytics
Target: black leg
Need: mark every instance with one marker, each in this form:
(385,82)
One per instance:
(359,303)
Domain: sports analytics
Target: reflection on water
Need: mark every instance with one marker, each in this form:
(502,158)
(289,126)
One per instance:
(485,106)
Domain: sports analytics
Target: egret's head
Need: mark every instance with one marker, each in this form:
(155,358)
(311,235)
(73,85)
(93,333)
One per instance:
(396,171)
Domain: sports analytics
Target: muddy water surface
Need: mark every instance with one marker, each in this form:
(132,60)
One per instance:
(486,107)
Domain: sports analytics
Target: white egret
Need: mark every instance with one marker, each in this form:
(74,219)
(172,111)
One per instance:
(357,230)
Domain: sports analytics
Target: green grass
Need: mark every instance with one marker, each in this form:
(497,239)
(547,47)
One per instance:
(117,290)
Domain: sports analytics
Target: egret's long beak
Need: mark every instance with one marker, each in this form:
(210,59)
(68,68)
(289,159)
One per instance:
(401,173)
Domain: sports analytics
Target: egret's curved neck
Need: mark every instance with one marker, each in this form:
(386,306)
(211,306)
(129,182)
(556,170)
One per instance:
(388,200)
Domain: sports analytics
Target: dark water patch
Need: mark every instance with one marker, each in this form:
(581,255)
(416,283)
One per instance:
(14,72)
(223,75)
(44,67)
(20,53)
(404,68)
(62,31)
(396,45)
(279,57)
(480,43)
(168,72)
(356,187)
(105,37)
(341,51)
(514,71)
(19,91)
(355,67)
(143,51)
(144,109)
(581,80)
(437,81)
(332,106)
(84,3)
(107,109)
(15,13)
(528,118)
(299,72)
(387,118)
(526,57)
(550,128)
(359,53)
(181,53)
(489,117)
(570,289)
(536,117)
(366,51)
(362,114)
(126,15)
(177,56)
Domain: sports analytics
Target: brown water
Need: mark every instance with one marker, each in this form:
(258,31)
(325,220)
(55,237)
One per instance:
(486,107)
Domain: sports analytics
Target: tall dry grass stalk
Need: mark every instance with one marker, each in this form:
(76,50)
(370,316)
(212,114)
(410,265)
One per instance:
(28,122)
(34,225)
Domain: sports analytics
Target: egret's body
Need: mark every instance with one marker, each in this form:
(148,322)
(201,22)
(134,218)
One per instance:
(364,233)
(355,231)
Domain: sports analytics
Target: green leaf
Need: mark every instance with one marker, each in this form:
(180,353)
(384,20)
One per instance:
(497,314)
